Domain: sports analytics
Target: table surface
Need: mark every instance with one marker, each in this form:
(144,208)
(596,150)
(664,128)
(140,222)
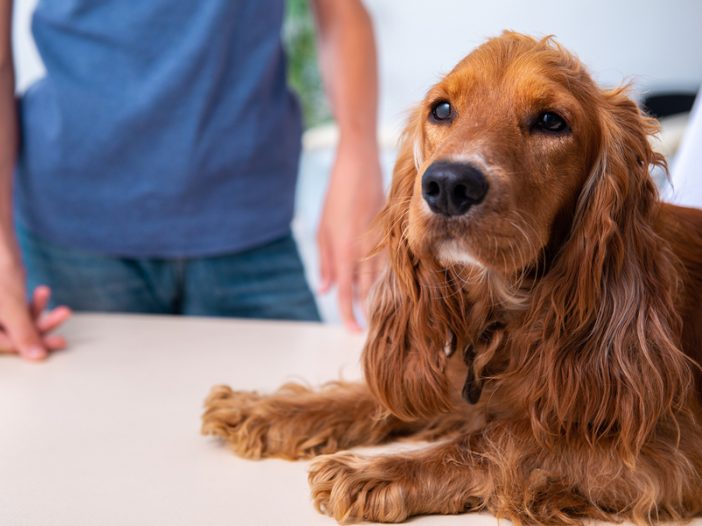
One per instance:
(107,432)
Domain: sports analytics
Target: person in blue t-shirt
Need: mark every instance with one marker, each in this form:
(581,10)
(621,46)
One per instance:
(155,164)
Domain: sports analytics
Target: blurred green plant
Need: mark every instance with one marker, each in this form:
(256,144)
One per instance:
(303,73)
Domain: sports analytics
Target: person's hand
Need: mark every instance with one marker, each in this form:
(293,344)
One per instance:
(26,329)
(354,197)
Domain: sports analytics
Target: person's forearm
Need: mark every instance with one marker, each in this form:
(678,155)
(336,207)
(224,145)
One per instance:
(348,63)
(8,139)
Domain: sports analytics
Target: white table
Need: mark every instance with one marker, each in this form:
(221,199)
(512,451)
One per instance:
(107,433)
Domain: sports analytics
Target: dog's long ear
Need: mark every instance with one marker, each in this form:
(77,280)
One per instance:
(404,356)
(604,324)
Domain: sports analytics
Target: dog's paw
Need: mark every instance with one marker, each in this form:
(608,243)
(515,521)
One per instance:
(352,489)
(231,416)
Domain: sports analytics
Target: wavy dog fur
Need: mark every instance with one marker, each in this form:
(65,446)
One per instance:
(551,337)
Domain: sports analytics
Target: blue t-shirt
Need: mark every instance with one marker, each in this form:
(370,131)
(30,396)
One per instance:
(161,128)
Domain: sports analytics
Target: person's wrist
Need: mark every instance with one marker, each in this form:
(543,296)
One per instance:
(354,142)
(12,270)
(10,259)
(351,153)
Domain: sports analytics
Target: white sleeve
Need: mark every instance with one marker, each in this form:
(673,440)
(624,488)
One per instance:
(686,171)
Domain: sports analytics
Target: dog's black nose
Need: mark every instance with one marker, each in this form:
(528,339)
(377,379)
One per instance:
(452,188)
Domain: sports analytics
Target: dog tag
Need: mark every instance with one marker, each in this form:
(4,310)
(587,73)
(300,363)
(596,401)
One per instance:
(472,388)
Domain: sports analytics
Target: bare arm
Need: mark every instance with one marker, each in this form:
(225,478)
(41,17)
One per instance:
(348,64)
(8,136)
(23,328)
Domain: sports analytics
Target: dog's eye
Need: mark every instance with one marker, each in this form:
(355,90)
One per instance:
(549,121)
(442,111)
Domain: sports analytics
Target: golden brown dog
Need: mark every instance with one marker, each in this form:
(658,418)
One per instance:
(541,315)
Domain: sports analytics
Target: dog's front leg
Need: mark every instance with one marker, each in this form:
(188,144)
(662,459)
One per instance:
(503,470)
(298,422)
(444,479)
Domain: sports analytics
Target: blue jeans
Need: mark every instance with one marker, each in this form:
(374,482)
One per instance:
(264,282)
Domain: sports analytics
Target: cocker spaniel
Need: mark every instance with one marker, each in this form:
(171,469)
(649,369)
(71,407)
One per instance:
(540,318)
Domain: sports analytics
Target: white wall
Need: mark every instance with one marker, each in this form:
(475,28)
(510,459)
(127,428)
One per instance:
(27,62)
(654,43)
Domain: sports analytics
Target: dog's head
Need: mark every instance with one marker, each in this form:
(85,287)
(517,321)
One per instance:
(502,149)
